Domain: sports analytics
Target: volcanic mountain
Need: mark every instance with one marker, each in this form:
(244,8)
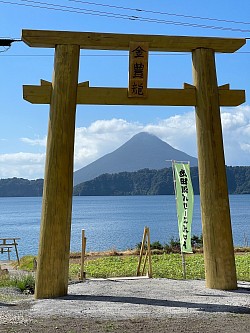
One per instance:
(142,151)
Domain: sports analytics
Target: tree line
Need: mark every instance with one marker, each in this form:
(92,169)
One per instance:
(142,182)
(156,182)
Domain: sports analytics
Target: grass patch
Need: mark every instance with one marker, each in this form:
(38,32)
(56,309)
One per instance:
(5,281)
(27,263)
(164,266)
(243,266)
(25,282)
(111,266)
(170,266)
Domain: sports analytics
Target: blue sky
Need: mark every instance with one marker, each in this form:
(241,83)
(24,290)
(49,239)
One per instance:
(101,129)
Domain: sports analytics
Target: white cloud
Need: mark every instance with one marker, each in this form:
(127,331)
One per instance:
(245,147)
(35,142)
(16,158)
(23,165)
(236,135)
(104,136)
(178,131)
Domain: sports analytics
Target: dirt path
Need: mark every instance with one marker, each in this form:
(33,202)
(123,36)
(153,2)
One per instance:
(132,305)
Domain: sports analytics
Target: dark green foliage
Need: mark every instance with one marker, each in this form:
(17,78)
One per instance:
(239,182)
(174,244)
(197,241)
(26,283)
(153,246)
(142,182)
(138,246)
(156,182)
(19,187)
(156,246)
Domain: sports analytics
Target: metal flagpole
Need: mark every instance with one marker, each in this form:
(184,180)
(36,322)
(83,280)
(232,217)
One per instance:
(182,253)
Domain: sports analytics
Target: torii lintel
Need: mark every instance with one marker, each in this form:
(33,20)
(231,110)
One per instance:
(119,96)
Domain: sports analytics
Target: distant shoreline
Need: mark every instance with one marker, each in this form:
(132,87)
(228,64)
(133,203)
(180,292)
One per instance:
(142,182)
(114,195)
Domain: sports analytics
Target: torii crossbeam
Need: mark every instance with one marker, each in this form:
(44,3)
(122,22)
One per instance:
(64,93)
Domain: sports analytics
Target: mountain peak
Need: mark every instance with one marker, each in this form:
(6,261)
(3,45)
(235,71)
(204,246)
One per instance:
(143,151)
(144,135)
(146,138)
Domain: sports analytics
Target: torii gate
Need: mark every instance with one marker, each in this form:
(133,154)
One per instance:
(63,95)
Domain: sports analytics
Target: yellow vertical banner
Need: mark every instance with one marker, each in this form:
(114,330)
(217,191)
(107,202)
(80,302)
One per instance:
(138,69)
(184,204)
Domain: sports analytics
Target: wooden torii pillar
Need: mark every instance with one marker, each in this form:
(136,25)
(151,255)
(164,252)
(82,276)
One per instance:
(63,95)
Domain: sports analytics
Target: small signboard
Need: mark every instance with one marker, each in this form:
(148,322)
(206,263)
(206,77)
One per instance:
(138,69)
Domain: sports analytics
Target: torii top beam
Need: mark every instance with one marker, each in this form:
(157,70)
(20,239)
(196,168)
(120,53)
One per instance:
(110,41)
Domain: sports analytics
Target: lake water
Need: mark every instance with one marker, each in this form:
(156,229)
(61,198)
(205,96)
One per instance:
(113,222)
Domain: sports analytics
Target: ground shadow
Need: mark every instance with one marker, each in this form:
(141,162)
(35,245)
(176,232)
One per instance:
(240,290)
(7,304)
(164,303)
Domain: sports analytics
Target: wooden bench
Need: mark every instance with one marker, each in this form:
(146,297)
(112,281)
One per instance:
(7,244)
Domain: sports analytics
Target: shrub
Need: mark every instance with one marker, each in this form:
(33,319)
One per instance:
(27,263)
(173,246)
(25,282)
(156,246)
(197,241)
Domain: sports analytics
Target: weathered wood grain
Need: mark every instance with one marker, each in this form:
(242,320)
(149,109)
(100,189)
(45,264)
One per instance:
(110,41)
(215,213)
(54,246)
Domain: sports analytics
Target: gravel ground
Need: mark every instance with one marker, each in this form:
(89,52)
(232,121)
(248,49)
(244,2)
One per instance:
(130,305)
